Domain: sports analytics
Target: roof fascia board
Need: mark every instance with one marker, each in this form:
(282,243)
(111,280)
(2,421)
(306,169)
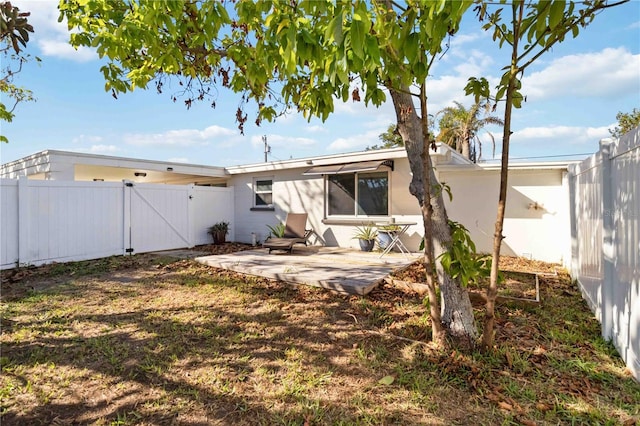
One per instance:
(352,157)
(513,166)
(443,153)
(133,163)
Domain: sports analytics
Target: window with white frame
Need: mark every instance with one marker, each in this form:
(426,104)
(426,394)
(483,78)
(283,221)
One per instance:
(358,194)
(263,192)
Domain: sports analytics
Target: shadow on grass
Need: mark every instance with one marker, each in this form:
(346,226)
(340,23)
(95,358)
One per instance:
(194,345)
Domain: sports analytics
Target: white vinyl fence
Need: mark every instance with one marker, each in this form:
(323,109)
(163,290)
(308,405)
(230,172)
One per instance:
(44,221)
(605,234)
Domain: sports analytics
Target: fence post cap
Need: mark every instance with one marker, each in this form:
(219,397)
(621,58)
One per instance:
(605,142)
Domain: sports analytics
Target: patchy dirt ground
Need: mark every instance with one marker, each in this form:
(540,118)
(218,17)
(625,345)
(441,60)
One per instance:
(153,340)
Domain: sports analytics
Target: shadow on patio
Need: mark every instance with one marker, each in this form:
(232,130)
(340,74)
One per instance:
(339,269)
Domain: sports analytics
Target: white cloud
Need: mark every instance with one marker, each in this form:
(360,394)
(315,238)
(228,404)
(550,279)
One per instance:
(99,149)
(87,139)
(62,49)
(182,137)
(51,36)
(179,160)
(282,141)
(357,142)
(562,134)
(461,39)
(443,91)
(348,108)
(289,116)
(315,129)
(610,73)
(475,64)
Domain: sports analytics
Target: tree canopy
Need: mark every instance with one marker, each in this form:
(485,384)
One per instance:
(626,121)
(14,36)
(300,53)
(303,54)
(390,139)
(307,54)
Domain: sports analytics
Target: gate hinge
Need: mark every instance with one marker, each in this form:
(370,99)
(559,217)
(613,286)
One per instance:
(128,184)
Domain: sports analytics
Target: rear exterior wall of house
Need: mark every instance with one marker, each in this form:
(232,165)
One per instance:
(294,192)
(536,222)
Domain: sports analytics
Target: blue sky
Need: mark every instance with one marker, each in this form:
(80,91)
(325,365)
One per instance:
(573,95)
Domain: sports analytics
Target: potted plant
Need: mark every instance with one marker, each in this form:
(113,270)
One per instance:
(276,231)
(367,237)
(219,232)
(385,235)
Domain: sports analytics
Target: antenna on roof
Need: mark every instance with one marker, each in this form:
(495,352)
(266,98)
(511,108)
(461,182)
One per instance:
(267,148)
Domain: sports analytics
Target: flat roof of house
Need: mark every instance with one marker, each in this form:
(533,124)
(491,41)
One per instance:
(88,167)
(443,153)
(445,158)
(108,160)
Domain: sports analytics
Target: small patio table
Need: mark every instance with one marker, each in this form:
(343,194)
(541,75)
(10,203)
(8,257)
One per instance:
(401,229)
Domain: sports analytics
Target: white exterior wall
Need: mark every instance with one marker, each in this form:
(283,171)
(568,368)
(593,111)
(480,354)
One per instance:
(293,192)
(210,205)
(539,233)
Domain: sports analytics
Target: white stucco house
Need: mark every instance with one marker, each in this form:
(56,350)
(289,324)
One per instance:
(64,206)
(342,191)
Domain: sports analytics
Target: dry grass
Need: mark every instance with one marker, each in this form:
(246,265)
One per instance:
(149,340)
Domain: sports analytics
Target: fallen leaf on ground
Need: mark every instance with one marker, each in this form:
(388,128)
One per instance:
(505,406)
(387,380)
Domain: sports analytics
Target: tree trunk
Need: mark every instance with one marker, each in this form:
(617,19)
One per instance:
(492,290)
(466,151)
(456,313)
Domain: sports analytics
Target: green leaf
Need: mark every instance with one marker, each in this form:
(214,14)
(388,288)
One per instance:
(373,50)
(411,46)
(333,33)
(556,13)
(357,33)
(517,100)
(420,71)
(387,380)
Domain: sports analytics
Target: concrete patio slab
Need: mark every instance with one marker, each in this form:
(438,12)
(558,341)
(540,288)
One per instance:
(333,268)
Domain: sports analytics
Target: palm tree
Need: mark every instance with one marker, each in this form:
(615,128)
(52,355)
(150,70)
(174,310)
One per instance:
(459,128)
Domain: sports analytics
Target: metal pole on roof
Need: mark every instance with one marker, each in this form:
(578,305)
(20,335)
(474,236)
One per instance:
(267,148)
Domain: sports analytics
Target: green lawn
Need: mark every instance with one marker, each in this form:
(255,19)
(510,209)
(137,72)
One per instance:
(149,340)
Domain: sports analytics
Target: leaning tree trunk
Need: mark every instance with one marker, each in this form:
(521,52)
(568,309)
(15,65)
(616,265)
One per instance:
(456,311)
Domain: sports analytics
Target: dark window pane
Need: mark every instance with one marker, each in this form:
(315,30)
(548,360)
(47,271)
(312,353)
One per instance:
(341,194)
(263,185)
(263,199)
(373,194)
